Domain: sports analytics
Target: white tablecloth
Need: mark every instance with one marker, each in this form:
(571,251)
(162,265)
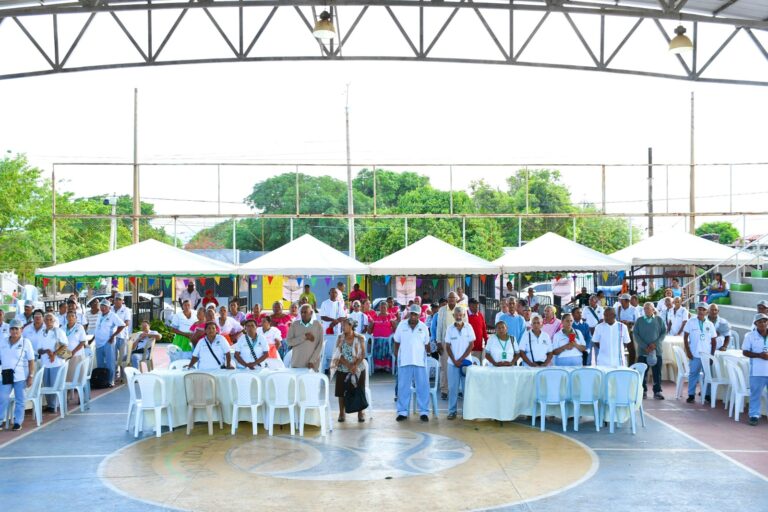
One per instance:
(174,384)
(503,394)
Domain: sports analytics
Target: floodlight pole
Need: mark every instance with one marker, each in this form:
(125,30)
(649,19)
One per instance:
(692,222)
(350,205)
(136,199)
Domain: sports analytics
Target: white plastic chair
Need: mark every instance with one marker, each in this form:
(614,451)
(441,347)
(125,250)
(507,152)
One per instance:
(281,394)
(621,391)
(707,362)
(369,354)
(200,389)
(133,402)
(146,357)
(739,390)
(586,385)
(681,360)
(78,381)
(172,350)
(58,389)
(287,358)
(149,385)
(179,364)
(368,396)
(432,365)
(91,366)
(553,391)
(314,393)
(735,341)
(392,355)
(246,393)
(31,394)
(640,368)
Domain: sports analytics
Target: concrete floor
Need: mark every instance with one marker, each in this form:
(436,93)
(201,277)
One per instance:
(689,457)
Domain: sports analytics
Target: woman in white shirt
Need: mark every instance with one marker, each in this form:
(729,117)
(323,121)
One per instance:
(569,344)
(359,317)
(75,342)
(536,345)
(271,335)
(678,317)
(501,348)
(212,351)
(251,349)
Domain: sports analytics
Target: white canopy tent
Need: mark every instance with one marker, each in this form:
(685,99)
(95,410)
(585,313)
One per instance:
(148,258)
(432,256)
(553,253)
(676,248)
(304,256)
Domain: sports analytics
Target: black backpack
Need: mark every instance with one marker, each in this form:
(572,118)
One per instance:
(99,378)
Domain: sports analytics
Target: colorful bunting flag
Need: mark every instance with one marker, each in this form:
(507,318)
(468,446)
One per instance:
(217,279)
(186,282)
(46,281)
(605,276)
(202,281)
(270,278)
(403,279)
(132,280)
(482,278)
(468,280)
(151,281)
(62,284)
(359,279)
(435,282)
(252,277)
(114,282)
(386,279)
(328,281)
(314,280)
(299,280)
(168,282)
(419,281)
(451,280)
(622,275)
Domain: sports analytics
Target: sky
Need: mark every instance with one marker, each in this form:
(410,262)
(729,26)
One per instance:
(402,114)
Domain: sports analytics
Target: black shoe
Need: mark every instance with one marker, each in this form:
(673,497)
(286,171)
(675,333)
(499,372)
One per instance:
(658,396)
(49,409)
(452,416)
(16,427)
(753,421)
(461,395)
(400,417)
(691,399)
(645,395)
(424,418)
(443,396)
(707,399)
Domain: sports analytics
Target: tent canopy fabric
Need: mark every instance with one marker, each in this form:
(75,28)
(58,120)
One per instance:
(305,255)
(553,253)
(432,256)
(148,258)
(677,248)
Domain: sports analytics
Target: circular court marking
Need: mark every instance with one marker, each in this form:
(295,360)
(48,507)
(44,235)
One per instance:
(408,467)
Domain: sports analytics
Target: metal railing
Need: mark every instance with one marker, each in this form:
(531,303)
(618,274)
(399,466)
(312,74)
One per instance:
(749,260)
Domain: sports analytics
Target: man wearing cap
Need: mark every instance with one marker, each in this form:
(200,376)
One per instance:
(609,339)
(191,295)
(699,336)
(722,327)
(445,319)
(411,347)
(28,314)
(16,355)
(123,313)
(108,326)
(459,342)
(755,347)
(762,309)
(92,316)
(627,315)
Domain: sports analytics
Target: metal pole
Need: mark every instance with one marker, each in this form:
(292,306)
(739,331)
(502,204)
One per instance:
(53,213)
(113,227)
(464,233)
(175,240)
(406,231)
(650,191)
(350,206)
(692,223)
(603,186)
(450,184)
(667,178)
(291,229)
(730,189)
(526,190)
(574,229)
(218,189)
(519,231)
(629,220)
(136,198)
(374,189)
(297,190)
(234,242)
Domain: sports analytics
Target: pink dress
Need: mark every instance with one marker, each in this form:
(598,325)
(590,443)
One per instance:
(551,327)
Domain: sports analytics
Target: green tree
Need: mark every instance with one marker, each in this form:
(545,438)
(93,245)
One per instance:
(604,234)
(390,185)
(727,231)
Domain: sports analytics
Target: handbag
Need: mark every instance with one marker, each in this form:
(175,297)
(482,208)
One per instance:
(8,374)
(63,352)
(354,396)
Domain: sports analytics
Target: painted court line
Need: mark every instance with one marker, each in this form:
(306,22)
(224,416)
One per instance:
(721,453)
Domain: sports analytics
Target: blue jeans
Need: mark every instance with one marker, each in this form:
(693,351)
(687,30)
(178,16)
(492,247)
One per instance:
(418,376)
(105,358)
(711,296)
(455,376)
(756,386)
(568,361)
(49,378)
(5,394)
(693,377)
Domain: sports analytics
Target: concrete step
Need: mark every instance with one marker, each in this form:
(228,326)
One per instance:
(739,315)
(747,299)
(758,284)
(741,329)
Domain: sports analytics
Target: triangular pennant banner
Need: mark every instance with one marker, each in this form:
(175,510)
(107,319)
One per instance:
(299,280)
(328,280)
(202,281)
(622,274)
(217,279)
(151,281)
(186,282)
(252,277)
(46,281)
(270,278)
(435,282)
(483,278)
(132,280)
(419,281)
(451,280)
(402,280)
(528,277)
(359,279)
(114,282)
(313,280)
(62,284)
(386,279)
(468,280)
(557,279)
(78,286)
(605,276)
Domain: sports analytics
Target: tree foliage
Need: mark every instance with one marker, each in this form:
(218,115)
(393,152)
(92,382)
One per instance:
(727,231)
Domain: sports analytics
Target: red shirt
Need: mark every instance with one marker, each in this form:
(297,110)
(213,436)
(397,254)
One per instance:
(357,295)
(477,321)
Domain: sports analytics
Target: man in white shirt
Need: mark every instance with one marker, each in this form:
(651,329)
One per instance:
(107,327)
(677,317)
(533,301)
(140,349)
(52,339)
(755,347)
(412,346)
(627,315)
(212,351)
(461,299)
(4,328)
(191,295)
(16,354)
(445,318)
(332,314)
(593,314)
(699,336)
(251,350)
(662,305)
(122,312)
(459,339)
(610,338)
(91,316)
(722,327)
(509,291)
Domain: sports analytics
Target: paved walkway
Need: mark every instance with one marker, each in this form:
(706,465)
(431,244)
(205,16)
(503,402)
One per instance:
(689,457)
